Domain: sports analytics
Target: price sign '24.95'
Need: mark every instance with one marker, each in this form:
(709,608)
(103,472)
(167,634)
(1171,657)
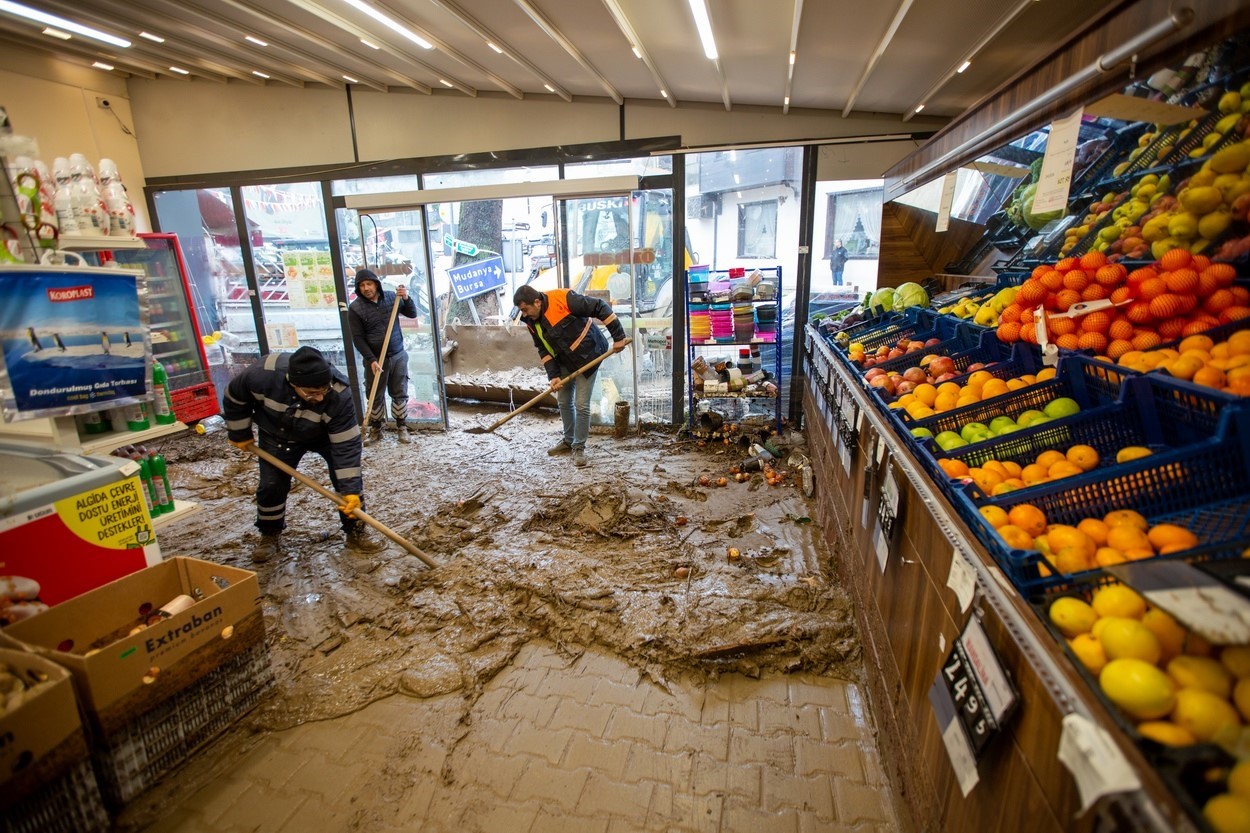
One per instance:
(978,687)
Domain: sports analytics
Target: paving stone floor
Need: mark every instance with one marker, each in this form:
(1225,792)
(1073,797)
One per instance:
(561,744)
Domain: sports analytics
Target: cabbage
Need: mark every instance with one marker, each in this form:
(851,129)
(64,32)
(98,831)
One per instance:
(1037,221)
(910,295)
(882,299)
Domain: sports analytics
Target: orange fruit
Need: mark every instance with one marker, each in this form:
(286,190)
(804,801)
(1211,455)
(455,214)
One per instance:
(1196,342)
(1211,377)
(1016,537)
(994,387)
(986,479)
(996,467)
(1139,553)
(1062,468)
(926,393)
(1083,457)
(1073,560)
(1013,469)
(1062,536)
(953,468)
(1108,557)
(1095,529)
(1028,518)
(1171,535)
(996,515)
(1120,517)
(1125,538)
(1239,343)
(945,402)
(1048,458)
(1034,473)
(1175,259)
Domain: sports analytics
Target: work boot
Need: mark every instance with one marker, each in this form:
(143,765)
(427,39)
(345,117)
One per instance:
(361,539)
(579,457)
(374,435)
(267,548)
(404,436)
(559,448)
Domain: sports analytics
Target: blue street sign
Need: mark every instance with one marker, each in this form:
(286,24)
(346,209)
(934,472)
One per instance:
(476,278)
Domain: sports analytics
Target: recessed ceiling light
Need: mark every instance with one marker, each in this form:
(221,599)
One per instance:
(964,66)
(445,82)
(256,41)
(103,66)
(792,57)
(152,37)
(494,47)
(787,102)
(351,80)
(704,24)
(393,25)
(259,74)
(370,44)
(57,33)
(180,70)
(919,107)
(664,93)
(637,52)
(60,23)
(549,88)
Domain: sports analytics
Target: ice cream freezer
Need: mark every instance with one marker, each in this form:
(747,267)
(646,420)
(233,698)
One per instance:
(68,524)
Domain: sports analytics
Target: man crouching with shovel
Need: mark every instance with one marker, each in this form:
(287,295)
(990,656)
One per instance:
(301,404)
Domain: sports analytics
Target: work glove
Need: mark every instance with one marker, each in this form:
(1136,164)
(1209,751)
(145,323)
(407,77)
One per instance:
(350,504)
(243,445)
(618,346)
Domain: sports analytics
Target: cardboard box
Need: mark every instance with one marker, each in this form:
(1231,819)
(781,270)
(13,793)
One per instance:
(153,696)
(46,782)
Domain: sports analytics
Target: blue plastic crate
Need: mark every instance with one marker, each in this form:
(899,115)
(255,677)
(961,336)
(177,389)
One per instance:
(962,340)
(890,328)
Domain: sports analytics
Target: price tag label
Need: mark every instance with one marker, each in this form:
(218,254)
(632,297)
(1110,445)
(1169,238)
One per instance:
(1096,763)
(1056,175)
(963,580)
(978,687)
(881,545)
(845,453)
(887,506)
(948,198)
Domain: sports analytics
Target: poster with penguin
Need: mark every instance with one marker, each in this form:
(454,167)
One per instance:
(72,340)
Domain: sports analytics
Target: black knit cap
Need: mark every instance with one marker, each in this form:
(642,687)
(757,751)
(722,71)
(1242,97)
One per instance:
(366,275)
(308,369)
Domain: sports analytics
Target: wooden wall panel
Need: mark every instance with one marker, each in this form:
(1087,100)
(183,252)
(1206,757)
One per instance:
(911,249)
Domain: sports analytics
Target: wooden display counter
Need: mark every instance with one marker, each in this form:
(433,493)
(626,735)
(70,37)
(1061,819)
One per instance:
(910,616)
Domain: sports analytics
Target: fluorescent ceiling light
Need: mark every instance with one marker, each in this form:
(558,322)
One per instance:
(549,88)
(351,80)
(370,44)
(180,70)
(664,93)
(152,37)
(496,48)
(57,33)
(919,107)
(637,53)
(256,41)
(259,74)
(704,24)
(445,82)
(787,102)
(964,66)
(393,25)
(61,23)
(792,56)
(103,66)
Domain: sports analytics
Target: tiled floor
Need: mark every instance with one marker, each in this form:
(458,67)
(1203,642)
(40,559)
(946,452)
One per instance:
(556,743)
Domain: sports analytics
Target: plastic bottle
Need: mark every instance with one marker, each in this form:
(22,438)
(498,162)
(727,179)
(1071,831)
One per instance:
(90,213)
(62,199)
(160,479)
(162,403)
(137,417)
(93,422)
(120,210)
(149,488)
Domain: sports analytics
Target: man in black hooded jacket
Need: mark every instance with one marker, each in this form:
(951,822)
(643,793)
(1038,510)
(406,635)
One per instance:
(368,316)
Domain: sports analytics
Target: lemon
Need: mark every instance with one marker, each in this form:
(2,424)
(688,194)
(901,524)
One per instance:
(1239,779)
(1129,639)
(1228,813)
(1202,673)
(1236,658)
(1171,635)
(1204,714)
(1118,600)
(1089,651)
(1166,732)
(1139,688)
(1132,452)
(1241,698)
(1072,616)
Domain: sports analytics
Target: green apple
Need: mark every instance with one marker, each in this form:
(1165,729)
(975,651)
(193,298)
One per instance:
(1000,423)
(1029,417)
(974,429)
(920,433)
(1062,407)
(1013,428)
(948,440)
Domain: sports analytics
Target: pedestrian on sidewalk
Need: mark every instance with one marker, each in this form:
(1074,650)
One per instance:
(369,315)
(559,321)
(837,261)
(300,404)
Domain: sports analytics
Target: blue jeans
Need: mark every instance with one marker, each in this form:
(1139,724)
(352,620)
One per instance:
(574,398)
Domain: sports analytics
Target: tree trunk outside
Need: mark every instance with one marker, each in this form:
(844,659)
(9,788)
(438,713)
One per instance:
(481,223)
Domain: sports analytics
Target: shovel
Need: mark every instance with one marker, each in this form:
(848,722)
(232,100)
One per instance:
(478,429)
(358,513)
(386,345)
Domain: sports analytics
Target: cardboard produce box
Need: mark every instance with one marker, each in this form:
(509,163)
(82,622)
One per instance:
(153,695)
(46,781)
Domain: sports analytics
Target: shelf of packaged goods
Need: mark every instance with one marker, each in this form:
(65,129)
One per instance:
(699,396)
(173,352)
(182,508)
(89,243)
(62,433)
(752,343)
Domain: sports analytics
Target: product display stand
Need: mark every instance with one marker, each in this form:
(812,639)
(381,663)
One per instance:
(728,311)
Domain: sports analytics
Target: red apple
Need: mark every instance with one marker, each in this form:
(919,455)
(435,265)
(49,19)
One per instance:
(915,375)
(884,383)
(874,373)
(945,377)
(975,366)
(932,342)
(914,346)
(941,365)
(904,387)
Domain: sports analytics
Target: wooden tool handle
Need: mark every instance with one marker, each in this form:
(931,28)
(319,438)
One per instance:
(587,366)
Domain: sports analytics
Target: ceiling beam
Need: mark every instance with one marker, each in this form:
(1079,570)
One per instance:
(490,37)
(81,49)
(884,43)
(635,43)
(567,45)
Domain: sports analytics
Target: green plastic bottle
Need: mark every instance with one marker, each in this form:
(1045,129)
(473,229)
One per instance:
(137,417)
(162,403)
(160,479)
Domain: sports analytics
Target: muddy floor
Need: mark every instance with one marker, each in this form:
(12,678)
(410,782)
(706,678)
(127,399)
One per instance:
(641,553)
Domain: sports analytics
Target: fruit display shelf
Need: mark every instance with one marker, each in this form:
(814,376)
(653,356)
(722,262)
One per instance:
(885,328)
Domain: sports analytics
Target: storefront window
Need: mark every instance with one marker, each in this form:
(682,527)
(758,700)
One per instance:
(757,230)
(639,166)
